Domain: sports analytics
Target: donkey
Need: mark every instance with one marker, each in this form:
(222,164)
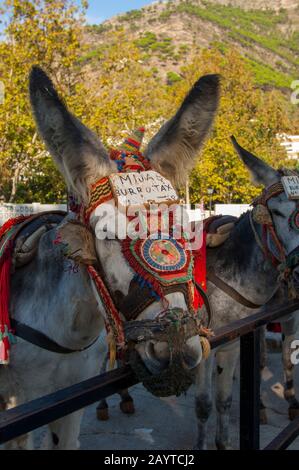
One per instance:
(241,264)
(66,307)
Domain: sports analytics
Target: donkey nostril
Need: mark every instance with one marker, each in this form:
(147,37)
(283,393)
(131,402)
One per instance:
(161,351)
(158,352)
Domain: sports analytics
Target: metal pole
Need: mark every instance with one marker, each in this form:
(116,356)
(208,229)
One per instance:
(187,193)
(250,391)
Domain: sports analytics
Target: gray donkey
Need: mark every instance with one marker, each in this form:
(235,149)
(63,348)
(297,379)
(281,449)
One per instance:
(242,264)
(65,307)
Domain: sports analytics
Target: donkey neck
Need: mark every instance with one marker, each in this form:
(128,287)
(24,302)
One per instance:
(61,303)
(241,263)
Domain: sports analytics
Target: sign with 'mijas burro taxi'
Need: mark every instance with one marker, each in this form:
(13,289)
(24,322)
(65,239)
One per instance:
(136,189)
(291,186)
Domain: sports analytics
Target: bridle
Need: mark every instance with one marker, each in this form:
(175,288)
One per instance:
(285,262)
(123,309)
(269,243)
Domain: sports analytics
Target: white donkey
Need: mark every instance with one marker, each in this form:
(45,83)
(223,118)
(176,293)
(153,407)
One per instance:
(262,250)
(66,307)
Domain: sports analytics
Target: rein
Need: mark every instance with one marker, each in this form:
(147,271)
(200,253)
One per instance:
(41,340)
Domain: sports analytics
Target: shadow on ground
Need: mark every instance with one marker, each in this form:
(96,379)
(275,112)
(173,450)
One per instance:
(170,423)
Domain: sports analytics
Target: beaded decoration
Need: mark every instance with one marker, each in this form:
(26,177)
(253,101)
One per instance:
(294,220)
(100,192)
(128,157)
(160,262)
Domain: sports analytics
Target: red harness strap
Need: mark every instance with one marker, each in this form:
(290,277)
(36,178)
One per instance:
(200,272)
(6,252)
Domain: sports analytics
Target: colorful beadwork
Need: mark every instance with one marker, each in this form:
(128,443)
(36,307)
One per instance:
(128,157)
(134,141)
(164,255)
(129,161)
(294,220)
(159,262)
(100,192)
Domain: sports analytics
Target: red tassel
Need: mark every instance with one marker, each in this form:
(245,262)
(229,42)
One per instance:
(5,268)
(274,327)
(199,272)
(10,223)
(4,304)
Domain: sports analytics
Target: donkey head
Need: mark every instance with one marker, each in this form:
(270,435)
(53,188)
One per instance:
(283,212)
(83,160)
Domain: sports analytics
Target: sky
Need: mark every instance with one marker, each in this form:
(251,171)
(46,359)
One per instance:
(100,10)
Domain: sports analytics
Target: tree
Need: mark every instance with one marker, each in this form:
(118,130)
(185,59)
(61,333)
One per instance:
(44,32)
(254,116)
(122,93)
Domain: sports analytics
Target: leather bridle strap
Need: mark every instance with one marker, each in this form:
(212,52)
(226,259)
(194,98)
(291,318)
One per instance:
(230,291)
(206,301)
(41,340)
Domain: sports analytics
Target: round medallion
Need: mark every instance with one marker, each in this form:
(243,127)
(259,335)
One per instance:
(164,255)
(294,220)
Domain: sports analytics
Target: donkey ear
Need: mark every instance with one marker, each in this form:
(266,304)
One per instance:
(260,171)
(173,150)
(78,153)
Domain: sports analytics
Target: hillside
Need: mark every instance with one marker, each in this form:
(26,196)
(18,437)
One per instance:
(168,33)
(259,4)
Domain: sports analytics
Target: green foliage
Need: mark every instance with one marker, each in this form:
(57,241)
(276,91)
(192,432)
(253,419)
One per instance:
(254,116)
(266,75)
(162,46)
(146,41)
(131,16)
(249,26)
(44,32)
(99,28)
(165,15)
(114,86)
(92,55)
(173,77)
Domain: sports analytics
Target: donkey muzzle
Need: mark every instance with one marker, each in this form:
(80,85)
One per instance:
(161,342)
(157,355)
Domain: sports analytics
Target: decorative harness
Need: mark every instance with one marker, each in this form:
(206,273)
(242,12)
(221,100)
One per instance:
(268,242)
(161,266)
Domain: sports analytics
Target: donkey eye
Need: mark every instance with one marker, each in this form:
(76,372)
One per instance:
(277,213)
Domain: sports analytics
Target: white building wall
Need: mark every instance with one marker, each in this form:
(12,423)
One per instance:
(8,211)
(231,209)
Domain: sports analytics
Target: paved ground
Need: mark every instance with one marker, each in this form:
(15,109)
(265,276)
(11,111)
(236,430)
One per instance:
(170,423)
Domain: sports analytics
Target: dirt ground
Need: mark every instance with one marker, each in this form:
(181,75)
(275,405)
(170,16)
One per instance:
(170,424)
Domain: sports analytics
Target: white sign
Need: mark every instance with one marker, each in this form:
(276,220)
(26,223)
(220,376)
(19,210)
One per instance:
(291,186)
(137,189)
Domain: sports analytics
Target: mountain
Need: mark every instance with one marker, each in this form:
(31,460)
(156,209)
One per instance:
(259,4)
(168,33)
